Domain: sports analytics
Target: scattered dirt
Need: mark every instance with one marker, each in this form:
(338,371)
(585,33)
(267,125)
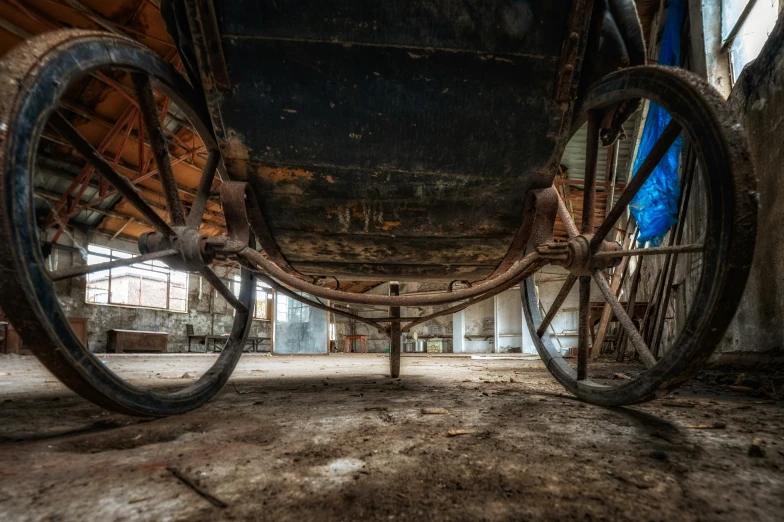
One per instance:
(513,446)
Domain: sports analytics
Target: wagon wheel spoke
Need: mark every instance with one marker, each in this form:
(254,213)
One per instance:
(591,155)
(566,217)
(160,151)
(656,154)
(117,180)
(559,299)
(583,332)
(634,336)
(222,289)
(76,271)
(678,249)
(203,192)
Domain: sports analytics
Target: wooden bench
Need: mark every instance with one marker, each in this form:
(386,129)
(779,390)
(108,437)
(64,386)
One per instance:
(122,341)
(254,341)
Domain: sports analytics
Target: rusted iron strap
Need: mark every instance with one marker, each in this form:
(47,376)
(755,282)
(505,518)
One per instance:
(515,273)
(538,221)
(241,209)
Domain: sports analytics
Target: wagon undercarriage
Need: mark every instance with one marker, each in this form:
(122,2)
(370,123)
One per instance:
(403,111)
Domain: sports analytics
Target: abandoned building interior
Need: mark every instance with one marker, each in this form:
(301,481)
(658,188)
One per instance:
(417,260)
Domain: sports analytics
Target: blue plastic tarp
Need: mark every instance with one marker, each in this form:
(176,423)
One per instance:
(655,207)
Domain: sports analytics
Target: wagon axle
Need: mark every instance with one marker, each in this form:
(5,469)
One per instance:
(577,256)
(193,248)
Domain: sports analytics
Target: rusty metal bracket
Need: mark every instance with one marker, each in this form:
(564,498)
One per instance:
(545,203)
(539,213)
(243,214)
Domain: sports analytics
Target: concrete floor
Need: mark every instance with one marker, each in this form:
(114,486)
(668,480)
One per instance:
(332,438)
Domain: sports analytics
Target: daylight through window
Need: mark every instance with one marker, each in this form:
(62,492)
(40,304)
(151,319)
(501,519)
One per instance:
(291,311)
(745,26)
(263,297)
(151,284)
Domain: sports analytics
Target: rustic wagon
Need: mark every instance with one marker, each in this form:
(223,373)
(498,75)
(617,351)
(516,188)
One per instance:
(446,119)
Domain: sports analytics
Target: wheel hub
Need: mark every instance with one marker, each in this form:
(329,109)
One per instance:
(190,242)
(576,256)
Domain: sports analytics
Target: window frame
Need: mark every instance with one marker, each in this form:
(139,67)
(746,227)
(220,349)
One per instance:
(234,285)
(726,42)
(145,266)
(281,309)
(289,311)
(269,292)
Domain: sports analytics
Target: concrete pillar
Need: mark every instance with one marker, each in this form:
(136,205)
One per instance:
(496,337)
(458,331)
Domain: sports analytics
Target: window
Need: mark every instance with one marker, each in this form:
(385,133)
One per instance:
(151,284)
(745,26)
(282,309)
(291,311)
(260,310)
(263,297)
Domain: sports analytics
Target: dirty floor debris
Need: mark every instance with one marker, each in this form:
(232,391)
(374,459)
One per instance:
(333,438)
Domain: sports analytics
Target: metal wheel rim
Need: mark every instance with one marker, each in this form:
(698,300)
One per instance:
(724,256)
(59,348)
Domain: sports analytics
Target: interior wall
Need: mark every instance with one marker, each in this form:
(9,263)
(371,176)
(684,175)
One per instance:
(509,321)
(476,328)
(758,100)
(207,312)
(564,326)
(379,342)
(756,333)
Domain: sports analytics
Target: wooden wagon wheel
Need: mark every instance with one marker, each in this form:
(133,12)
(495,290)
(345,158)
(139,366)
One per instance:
(36,75)
(723,206)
